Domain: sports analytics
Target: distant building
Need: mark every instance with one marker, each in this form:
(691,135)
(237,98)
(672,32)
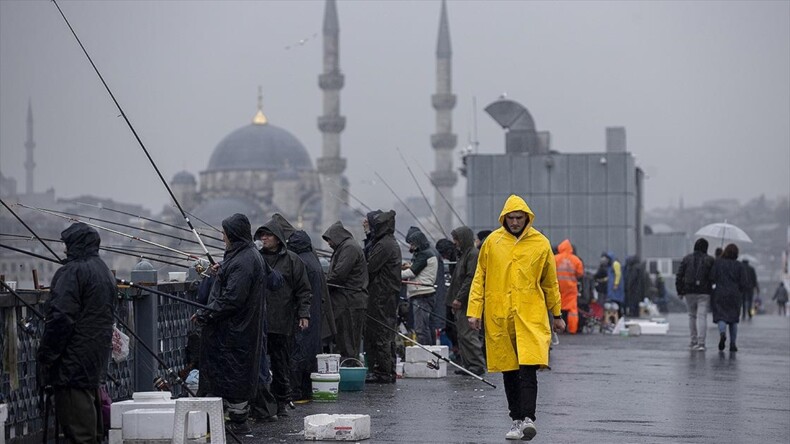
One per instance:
(593,199)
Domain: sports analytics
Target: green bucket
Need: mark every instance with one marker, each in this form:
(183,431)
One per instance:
(352,379)
(325,386)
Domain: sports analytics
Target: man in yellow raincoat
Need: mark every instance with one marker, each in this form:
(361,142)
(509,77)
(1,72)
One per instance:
(515,287)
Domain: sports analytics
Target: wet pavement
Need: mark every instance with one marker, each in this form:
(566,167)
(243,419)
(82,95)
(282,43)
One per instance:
(601,388)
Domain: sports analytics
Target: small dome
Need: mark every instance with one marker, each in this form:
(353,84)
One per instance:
(144,265)
(183,178)
(259,147)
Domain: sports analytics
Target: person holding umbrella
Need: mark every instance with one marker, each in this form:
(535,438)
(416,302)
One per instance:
(729,278)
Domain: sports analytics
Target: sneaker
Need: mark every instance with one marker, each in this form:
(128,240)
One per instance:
(238,428)
(692,345)
(515,430)
(722,341)
(733,348)
(528,429)
(698,348)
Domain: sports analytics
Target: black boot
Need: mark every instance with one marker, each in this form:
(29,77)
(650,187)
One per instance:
(733,348)
(722,341)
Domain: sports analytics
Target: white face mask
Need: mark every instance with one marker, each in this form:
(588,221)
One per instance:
(258,244)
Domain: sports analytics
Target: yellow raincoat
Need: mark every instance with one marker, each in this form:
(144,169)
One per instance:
(515,286)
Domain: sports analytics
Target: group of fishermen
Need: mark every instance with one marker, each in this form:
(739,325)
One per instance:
(270,309)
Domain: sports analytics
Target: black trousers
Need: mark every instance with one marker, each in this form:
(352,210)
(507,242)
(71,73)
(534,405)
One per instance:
(350,325)
(78,412)
(279,348)
(521,389)
(378,341)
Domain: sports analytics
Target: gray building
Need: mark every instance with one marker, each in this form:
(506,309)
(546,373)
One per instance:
(593,199)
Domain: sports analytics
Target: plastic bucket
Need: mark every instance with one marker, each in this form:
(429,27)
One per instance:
(325,386)
(352,379)
(328,363)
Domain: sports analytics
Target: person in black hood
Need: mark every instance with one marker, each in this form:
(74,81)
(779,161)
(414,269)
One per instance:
(384,259)
(370,232)
(307,343)
(75,346)
(230,346)
(287,308)
(468,339)
(693,283)
(348,287)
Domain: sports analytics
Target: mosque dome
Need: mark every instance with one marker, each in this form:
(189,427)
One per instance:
(259,146)
(183,178)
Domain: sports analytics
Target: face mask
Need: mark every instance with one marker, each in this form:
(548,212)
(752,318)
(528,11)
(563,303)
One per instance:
(258,244)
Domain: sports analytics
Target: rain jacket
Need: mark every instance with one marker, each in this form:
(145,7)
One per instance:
(291,302)
(424,265)
(384,259)
(75,347)
(569,271)
(693,276)
(514,288)
(230,347)
(614,278)
(347,269)
(465,266)
(731,282)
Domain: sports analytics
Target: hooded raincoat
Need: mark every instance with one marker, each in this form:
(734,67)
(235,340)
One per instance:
(514,288)
(75,346)
(569,271)
(230,346)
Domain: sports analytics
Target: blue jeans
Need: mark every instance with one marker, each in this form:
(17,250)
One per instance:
(423,307)
(733,330)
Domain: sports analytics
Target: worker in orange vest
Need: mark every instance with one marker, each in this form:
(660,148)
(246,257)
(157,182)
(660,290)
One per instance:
(569,271)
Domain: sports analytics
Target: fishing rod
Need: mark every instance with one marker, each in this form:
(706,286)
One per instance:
(140,256)
(433,365)
(356,210)
(204,222)
(416,219)
(345,190)
(435,187)
(120,224)
(20,299)
(438,223)
(431,313)
(30,230)
(110,230)
(139,141)
(101,207)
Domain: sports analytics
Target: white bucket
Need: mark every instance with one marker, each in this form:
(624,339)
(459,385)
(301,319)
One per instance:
(328,363)
(325,386)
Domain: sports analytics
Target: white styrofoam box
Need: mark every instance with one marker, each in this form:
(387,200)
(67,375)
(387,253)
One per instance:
(115,437)
(417,354)
(649,327)
(152,396)
(119,408)
(158,424)
(421,370)
(324,427)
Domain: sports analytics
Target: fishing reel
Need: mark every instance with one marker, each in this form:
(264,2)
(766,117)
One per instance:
(202,266)
(161,384)
(27,325)
(433,365)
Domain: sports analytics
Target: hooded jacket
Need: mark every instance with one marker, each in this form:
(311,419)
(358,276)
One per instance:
(569,271)
(291,302)
(424,265)
(514,288)
(348,270)
(370,236)
(75,347)
(383,257)
(614,278)
(321,306)
(693,276)
(231,339)
(465,266)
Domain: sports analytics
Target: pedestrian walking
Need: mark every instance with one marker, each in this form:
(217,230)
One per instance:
(693,283)
(780,296)
(230,345)
(515,288)
(76,342)
(468,339)
(422,272)
(730,280)
(569,270)
(752,287)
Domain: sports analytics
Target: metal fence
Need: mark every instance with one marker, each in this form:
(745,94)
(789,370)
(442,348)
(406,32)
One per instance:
(161,322)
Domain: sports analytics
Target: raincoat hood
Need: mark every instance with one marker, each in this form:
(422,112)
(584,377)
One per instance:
(565,247)
(382,223)
(286,226)
(516,203)
(465,237)
(415,236)
(81,241)
(337,233)
(300,242)
(274,227)
(701,245)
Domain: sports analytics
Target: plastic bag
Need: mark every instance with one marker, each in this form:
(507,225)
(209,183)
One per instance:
(120,345)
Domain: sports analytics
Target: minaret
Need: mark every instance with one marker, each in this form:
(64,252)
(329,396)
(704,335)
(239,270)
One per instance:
(331,123)
(29,145)
(444,141)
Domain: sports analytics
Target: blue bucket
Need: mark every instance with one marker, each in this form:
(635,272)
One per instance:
(352,379)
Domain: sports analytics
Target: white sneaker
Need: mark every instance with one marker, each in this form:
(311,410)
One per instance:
(515,430)
(528,430)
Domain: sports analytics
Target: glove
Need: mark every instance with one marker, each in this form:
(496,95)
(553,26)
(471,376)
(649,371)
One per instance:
(200,317)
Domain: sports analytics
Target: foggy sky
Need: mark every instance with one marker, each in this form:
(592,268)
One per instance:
(703,88)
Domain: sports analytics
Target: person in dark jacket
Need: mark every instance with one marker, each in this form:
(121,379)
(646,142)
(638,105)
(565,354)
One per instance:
(751,288)
(692,282)
(468,339)
(729,278)
(348,288)
(422,272)
(637,283)
(449,255)
(230,346)
(384,259)
(370,235)
(287,308)
(75,346)
(780,296)
(307,343)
